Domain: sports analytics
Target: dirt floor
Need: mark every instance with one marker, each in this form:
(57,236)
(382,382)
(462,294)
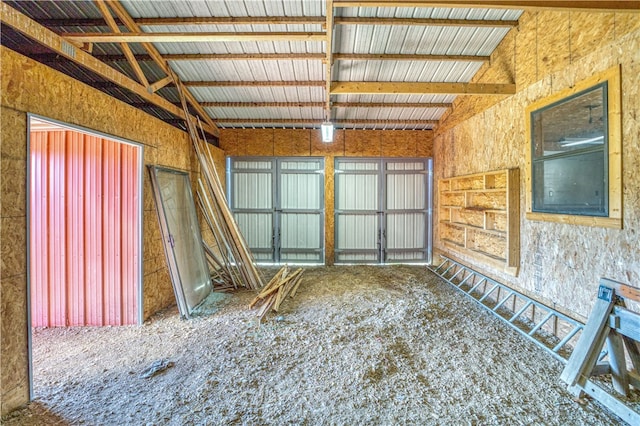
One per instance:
(357,345)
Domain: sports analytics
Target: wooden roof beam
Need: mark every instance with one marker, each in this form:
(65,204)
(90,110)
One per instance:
(425,22)
(392,105)
(375,87)
(297,57)
(282,20)
(321,104)
(262,104)
(583,5)
(399,57)
(329,59)
(317,123)
(142,37)
(319,83)
(30,28)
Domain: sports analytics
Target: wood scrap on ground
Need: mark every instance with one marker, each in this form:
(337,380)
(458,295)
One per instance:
(284,283)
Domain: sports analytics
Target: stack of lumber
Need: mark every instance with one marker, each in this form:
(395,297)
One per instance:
(283,284)
(232,262)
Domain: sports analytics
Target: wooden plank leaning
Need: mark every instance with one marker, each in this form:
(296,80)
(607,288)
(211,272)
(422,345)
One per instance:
(585,355)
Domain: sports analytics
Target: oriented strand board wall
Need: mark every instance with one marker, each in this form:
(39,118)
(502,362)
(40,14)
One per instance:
(560,264)
(304,143)
(28,86)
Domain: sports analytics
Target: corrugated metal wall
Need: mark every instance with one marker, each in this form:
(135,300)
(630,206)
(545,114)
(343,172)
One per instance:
(84,230)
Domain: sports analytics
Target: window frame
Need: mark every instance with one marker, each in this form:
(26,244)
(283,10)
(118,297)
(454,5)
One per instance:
(613,151)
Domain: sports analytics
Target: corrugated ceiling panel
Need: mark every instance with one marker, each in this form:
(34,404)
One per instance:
(187,8)
(428,12)
(258,94)
(395,98)
(248,70)
(432,71)
(267,113)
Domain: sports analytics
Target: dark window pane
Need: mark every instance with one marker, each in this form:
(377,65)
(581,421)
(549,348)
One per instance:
(572,185)
(576,123)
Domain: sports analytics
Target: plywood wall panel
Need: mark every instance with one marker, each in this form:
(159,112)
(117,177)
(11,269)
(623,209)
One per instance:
(14,190)
(258,142)
(12,135)
(561,264)
(292,142)
(362,143)
(398,143)
(13,247)
(589,31)
(625,23)
(526,50)
(324,149)
(229,143)
(553,42)
(329,206)
(14,370)
(424,143)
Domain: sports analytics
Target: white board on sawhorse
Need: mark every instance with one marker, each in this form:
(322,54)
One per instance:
(610,323)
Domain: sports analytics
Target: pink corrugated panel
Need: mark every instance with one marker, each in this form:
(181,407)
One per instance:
(93,229)
(84,230)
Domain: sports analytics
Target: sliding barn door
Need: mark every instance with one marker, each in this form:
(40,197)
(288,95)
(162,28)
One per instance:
(84,226)
(382,210)
(278,204)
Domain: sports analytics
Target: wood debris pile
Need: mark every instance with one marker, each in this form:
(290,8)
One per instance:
(232,262)
(284,284)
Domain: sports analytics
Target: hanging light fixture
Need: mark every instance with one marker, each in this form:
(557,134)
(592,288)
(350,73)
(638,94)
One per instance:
(327,131)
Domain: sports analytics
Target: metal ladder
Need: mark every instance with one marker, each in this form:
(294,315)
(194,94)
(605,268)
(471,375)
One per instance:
(525,315)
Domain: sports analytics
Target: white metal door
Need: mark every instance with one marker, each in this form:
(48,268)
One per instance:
(383,210)
(279,206)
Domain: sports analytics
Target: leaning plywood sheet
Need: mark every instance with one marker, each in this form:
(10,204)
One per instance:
(181,236)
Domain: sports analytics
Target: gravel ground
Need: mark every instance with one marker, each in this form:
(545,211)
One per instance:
(357,345)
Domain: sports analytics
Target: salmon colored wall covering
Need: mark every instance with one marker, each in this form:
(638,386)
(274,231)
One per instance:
(84,224)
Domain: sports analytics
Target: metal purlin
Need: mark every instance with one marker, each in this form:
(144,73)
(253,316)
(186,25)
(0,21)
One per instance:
(484,291)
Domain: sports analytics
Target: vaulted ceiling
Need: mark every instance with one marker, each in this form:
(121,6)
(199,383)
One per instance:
(276,63)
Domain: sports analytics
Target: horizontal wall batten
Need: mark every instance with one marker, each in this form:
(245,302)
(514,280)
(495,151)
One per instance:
(396,57)
(252,83)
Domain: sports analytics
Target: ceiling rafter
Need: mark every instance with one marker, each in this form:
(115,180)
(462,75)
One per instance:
(193,37)
(316,122)
(239,83)
(262,104)
(329,58)
(392,105)
(502,4)
(297,57)
(285,20)
(402,57)
(30,28)
(321,104)
(424,22)
(379,87)
(161,62)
